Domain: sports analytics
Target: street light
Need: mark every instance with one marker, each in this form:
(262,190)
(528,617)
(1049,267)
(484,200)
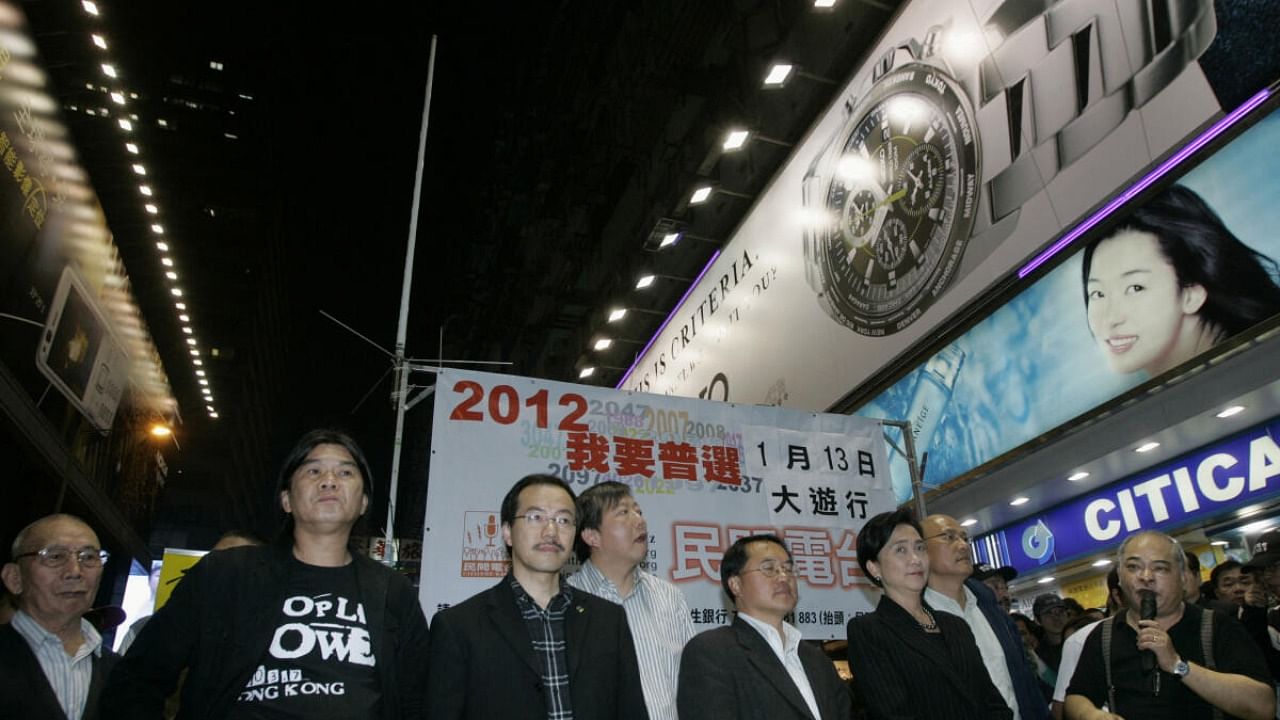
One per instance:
(647,280)
(618,313)
(702,193)
(667,232)
(605,342)
(781,73)
(590,370)
(737,138)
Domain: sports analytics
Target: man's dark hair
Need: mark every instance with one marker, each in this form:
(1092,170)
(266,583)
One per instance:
(1074,608)
(592,504)
(875,535)
(512,499)
(298,455)
(1076,623)
(1032,626)
(1193,562)
(735,558)
(324,436)
(1113,578)
(1219,570)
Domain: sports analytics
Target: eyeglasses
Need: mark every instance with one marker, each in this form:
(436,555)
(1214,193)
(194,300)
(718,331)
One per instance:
(540,519)
(952,536)
(771,570)
(55,556)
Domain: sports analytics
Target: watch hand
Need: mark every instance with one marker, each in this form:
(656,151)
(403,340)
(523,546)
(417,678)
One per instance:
(871,210)
(888,200)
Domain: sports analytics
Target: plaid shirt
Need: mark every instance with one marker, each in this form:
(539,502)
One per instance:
(546,631)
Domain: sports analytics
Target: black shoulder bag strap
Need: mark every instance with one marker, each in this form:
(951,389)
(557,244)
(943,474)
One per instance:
(1206,647)
(1107,626)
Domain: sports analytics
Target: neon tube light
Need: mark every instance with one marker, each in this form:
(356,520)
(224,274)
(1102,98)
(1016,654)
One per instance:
(1160,171)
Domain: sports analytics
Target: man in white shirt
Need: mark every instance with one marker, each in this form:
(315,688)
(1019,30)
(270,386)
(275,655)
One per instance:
(952,590)
(1072,646)
(55,665)
(613,545)
(758,668)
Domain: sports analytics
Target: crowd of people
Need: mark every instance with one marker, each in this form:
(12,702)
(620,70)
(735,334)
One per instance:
(304,628)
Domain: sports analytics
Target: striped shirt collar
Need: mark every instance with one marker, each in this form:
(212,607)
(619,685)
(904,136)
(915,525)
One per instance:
(597,583)
(36,636)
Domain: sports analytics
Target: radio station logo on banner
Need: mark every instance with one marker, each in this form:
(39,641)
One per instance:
(484,552)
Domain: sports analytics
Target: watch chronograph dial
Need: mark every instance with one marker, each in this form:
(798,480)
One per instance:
(899,182)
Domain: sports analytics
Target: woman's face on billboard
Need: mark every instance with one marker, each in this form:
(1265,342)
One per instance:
(1138,314)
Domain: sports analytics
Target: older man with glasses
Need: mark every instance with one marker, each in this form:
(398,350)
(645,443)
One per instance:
(54,662)
(953,589)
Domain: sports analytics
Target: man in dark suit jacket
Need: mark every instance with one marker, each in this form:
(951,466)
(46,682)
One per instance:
(952,589)
(54,574)
(758,667)
(533,646)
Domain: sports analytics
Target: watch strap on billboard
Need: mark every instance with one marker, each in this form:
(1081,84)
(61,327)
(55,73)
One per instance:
(1070,71)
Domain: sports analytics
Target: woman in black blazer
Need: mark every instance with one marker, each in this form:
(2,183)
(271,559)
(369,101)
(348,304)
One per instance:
(907,660)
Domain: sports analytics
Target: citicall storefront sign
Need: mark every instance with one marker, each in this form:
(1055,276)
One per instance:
(1240,470)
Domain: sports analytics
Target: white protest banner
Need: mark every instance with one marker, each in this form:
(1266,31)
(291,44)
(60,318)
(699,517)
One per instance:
(705,473)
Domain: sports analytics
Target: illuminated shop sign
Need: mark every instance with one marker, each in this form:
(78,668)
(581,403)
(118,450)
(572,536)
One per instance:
(1235,472)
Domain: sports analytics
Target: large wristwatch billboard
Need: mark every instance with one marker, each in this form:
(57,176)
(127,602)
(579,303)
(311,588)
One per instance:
(976,132)
(948,137)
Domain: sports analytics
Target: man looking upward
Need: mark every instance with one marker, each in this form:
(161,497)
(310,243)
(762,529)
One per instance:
(952,589)
(613,541)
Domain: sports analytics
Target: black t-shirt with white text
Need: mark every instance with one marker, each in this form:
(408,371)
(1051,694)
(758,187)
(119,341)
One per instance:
(321,662)
(1234,652)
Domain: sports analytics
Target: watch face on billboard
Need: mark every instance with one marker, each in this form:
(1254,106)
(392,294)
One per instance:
(78,354)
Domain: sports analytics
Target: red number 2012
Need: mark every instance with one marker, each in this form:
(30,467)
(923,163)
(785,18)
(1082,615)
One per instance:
(504,406)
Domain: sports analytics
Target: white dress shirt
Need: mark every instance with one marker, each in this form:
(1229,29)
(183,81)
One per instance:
(1071,649)
(988,644)
(788,651)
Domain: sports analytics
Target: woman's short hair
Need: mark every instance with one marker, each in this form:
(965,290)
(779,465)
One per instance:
(1239,282)
(875,535)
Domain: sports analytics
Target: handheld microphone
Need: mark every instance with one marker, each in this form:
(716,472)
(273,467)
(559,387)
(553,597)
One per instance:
(1147,612)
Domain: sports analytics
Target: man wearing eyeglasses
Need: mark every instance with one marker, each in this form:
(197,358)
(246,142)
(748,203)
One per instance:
(758,668)
(532,646)
(953,589)
(54,663)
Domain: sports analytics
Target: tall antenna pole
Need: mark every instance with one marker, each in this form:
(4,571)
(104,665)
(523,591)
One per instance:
(402,330)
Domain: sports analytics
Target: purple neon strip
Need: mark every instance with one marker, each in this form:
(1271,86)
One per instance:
(714,256)
(1160,171)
